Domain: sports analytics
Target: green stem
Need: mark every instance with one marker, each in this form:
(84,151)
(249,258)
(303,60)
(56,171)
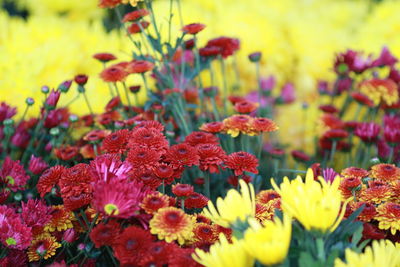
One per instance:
(87,103)
(225,84)
(391,153)
(180,12)
(259,87)
(146,85)
(207,184)
(127,96)
(332,154)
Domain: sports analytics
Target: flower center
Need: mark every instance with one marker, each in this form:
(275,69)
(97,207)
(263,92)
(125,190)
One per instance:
(10,180)
(11,241)
(111,209)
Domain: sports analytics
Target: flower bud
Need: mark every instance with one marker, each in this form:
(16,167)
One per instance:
(255,57)
(81,79)
(64,87)
(30,101)
(45,89)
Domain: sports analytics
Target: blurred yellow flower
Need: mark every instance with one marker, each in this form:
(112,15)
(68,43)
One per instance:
(381,253)
(315,204)
(223,254)
(269,243)
(235,207)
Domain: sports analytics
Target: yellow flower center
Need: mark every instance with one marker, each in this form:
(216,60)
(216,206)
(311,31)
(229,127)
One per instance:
(11,241)
(111,209)
(10,180)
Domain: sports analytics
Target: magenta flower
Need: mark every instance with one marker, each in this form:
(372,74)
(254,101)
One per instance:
(53,98)
(14,174)
(37,165)
(367,131)
(109,167)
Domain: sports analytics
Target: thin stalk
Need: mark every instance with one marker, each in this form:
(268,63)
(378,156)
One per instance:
(183,204)
(117,91)
(332,154)
(127,96)
(123,24)
(25,111)
(146,86)
(225,84)
(180,12)
(109,85)
(391,153)
(207,184)
(87,103)
(259,87)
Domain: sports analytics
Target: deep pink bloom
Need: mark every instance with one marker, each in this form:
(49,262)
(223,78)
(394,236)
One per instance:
(6,111)
(109,167)
(35,213)
(367,131)
(20,138)
(37,165)
(53,98)
(288,93)
(118,199)
(14,173)
(329,174)
(385,58)
(267,84)
(13,232)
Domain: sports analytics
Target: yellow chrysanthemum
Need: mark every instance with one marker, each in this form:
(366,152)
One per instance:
(234,207)
(43,246)
(315,204)
(381,253)
(380,91)
(171,224)
(224,254)
(269,243)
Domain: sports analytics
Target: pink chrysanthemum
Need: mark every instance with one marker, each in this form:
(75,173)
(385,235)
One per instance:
(13,232)
(118,199)
(13,172)
(37,165)
(108,167)
(35,214)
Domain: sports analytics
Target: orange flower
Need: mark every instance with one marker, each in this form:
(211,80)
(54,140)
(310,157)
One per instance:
(139,66)
(153,202)
(212,127)
(113,74)
(354,172)
(377,192)
(380,91)
(43,246)
(61,219)
(237,124)
(245,106)
(260,125)
(385,172)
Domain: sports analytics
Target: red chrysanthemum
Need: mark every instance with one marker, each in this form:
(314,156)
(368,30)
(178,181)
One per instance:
(245,106)
(182,155)
(135,15)
(131,244)
(211,157)
(362,99)
(143,158)
(210,51)
(155,201)
(66,152)
(227,45)
(150,125)
(242,161)
(385,172)
(104,234)
(109,3)
(204,232)
(183,257)
(165,172)
(354,172)
(138,27)
(139,66)
(368,212)
(116,142)
(13,173)
(157,254)
(196,201)
(104,57)
(119,199)
(196,138)
(370,231)
(113,74)
(260,125)
(335,134)
(182,190)
(49,179)
(147,177)
(149,138)
(75,186)
(193,28)
(212,127)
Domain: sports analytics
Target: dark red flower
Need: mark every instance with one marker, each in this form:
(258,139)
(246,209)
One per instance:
(135,15)
(147,177)
(49,179)
(81,79)
(182,190)
(116,142)
(328,109)
(182,257)
(234,180)
(242,161)
(362,99)
(370,231)
(104,57)
(300,156)
(196,201)
(227,45)
(392,134)
(6,111)
(131,244)
(193,28)
(210,51)
(104,234)
(66,152)
(135,28)
(336,134)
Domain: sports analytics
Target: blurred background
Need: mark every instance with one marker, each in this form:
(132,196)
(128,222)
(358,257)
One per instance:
(44,42)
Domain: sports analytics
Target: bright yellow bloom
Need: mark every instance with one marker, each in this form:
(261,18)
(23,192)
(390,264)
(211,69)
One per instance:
(382,253)
(234,207)
(223,254)
(316,205)
(269,243)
